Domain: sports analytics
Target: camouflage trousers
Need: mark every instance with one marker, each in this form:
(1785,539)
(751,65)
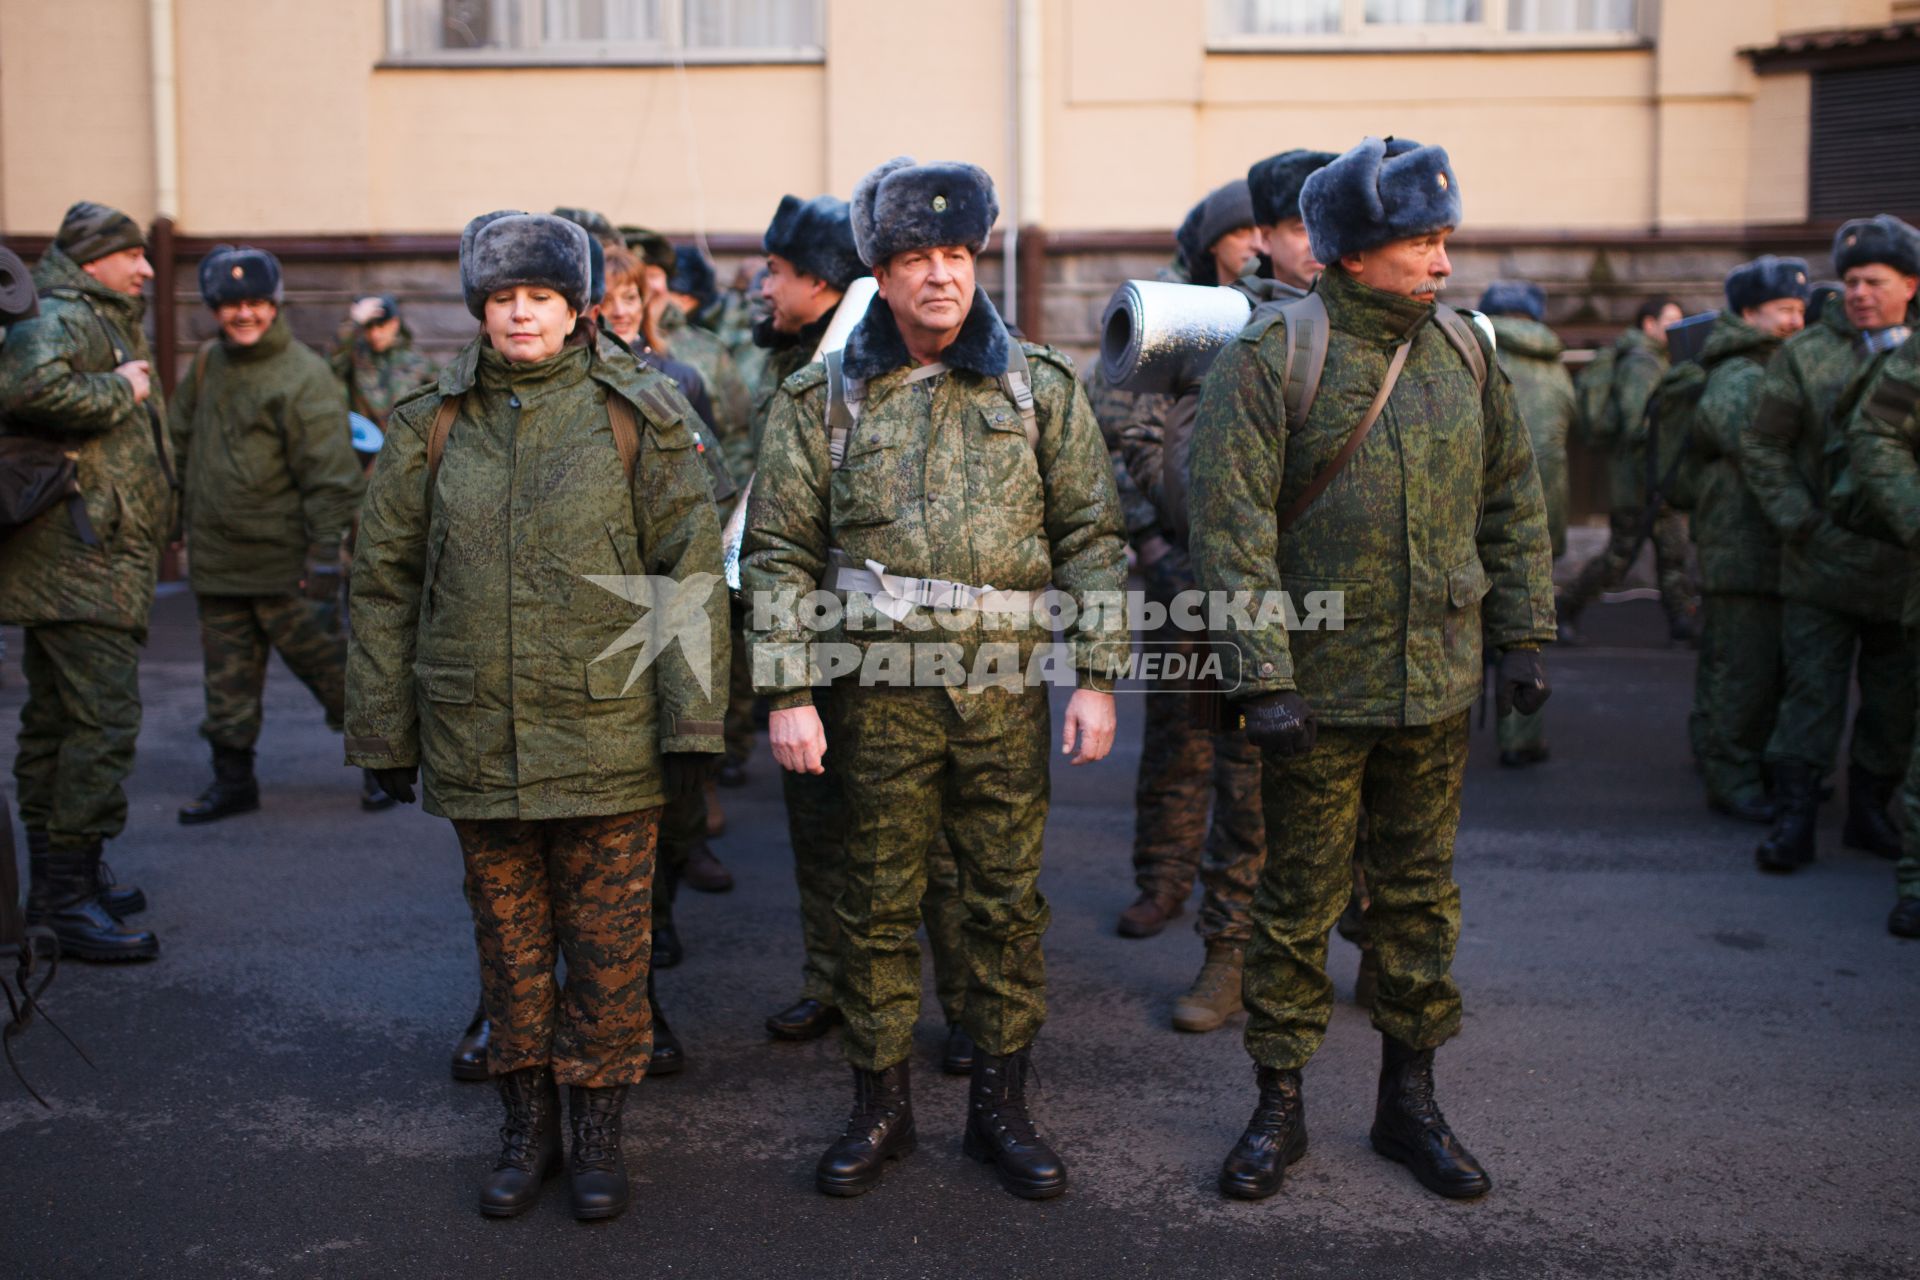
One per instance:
(1196,805)
(738,725)
(1907,806)
(1819,650)
(236,634)
(817,828)
(77,731)
(579,889)
(1408,781)
(1738,692)
(1605,571)
(913,766)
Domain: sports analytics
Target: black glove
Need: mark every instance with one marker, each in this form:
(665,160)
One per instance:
(1281,722)
(1520,683)
(686,773)
(397,783)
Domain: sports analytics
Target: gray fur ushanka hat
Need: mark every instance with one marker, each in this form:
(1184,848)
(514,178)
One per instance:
(1274,183)
(816,236)
(905,205)
(231,273)
(1383,190)
(1881,238)
(509,247)
(1756,283)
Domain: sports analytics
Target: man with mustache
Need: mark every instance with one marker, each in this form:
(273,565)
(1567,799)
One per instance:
(1406,485)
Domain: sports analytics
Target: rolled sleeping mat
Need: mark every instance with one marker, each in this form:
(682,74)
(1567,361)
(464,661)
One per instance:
(1162,337)
(18,301)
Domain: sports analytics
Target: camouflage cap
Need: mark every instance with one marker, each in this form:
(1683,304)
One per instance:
(92,231)
(649,246)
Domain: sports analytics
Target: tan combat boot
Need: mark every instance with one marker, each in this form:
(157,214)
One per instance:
(1215,994)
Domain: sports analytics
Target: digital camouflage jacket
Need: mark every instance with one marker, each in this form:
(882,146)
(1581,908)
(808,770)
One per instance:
(378,380)
(1739,547)
(480,648)
(1784,452)
(1434,532)
(57,382)
(1530,352)
(268,463)
(1884,437)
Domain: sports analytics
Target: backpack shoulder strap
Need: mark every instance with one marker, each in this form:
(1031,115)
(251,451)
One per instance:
(1017,382)
(437,436)
(844,395)
(1319,483)
(1308,335)
(1459,332)
(626,430)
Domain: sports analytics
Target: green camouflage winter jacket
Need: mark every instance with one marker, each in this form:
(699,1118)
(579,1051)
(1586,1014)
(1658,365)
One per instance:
(1434,532)
(1884,439)
(268,464)
(1739,547)
(732,402)
(481,649)
(1529,352)
(1784,454)
(378,380)
(1638,366)
(57,382)
(939,481)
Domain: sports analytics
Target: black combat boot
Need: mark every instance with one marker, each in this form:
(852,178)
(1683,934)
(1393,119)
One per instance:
(668,1058)
(804,1019)
(1796,809)
(470,1055)
(120,900)
(61,895)
(373,797)
(1275,1138)
(1000,1131)
(957,1058)
(599,1170)
(1904,920)
(879,1129)
(1868,828)
(529,1143)
(234,789)
(1408,1126)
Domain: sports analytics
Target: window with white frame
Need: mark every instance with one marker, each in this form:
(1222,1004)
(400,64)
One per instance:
(470,32)
(1283,24)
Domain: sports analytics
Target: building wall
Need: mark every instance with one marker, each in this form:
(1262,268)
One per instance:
(288,124)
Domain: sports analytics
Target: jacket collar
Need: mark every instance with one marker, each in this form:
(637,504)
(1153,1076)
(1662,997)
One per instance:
(768,338)
(56,271)
(875,347)
(1370,314)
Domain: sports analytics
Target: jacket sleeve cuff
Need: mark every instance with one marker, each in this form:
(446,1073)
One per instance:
(372,752)
(788,699)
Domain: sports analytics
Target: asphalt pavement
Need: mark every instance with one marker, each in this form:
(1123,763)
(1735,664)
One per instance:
(1671,1065)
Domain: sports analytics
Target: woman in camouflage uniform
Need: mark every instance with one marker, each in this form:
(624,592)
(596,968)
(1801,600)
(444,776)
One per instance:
(532,473)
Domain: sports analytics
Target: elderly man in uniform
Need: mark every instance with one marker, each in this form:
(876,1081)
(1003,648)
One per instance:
(971,479)
(1404,481)
(81,585)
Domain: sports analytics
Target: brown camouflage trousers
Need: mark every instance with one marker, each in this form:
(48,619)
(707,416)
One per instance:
(1605,571)
(77,731)
(236,634)
(1408,781)
(1820,649)
(912,766)
(1738,686)
(817,829)
(574,888)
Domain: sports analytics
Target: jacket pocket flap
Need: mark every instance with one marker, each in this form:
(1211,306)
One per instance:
(1468,584)
(608,679)
(447,684)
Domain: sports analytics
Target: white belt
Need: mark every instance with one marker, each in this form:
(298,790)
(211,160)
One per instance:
(893,594)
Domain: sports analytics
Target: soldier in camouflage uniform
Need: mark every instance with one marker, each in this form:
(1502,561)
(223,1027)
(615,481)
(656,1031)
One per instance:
(1529,355)
(1640,359)
(272,485)
(80,373)
(376,360)
(479,659)
(1842,589)
(1739,676)
(938,480)
(1884,444)
(1432,527)
(811,261)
